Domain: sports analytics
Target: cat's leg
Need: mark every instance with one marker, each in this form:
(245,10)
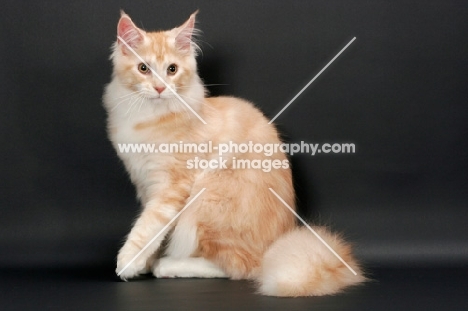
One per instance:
(130,262)
(133,257)
(182,244)
(189,267)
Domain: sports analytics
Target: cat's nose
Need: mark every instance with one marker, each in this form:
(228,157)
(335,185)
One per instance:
(159,89)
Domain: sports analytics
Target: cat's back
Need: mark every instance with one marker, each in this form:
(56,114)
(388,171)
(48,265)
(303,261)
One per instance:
(230,104)
(228,115)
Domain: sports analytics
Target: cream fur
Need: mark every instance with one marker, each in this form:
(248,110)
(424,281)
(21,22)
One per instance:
(299,264)
(236,228)
(189,267)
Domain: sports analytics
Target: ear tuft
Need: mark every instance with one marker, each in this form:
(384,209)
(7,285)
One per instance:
(183,40)
(127,30)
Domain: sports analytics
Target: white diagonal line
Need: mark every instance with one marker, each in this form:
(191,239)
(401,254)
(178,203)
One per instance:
(160,232)
(162,80)
(310,82)
(313,231)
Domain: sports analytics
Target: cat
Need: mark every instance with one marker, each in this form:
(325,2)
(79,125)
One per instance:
(235,227)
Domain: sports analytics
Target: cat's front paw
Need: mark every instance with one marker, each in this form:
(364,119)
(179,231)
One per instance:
(130,266)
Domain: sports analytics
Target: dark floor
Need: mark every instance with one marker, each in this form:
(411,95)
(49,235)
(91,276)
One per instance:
(98,289)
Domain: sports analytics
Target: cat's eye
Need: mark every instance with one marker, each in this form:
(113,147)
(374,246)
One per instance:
(143,68)
(172,69)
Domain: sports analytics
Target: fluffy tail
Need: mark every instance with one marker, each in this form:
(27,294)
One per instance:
(299,264)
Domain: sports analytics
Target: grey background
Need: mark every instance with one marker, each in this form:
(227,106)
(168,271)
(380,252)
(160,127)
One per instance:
(398,92)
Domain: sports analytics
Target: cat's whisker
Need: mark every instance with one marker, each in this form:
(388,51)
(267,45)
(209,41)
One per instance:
(128,98)
(143,101)
(128,95)
(132,103)
(139,103)
(120,102)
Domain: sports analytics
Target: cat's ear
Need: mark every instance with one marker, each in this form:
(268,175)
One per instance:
(128,32)
(184,34)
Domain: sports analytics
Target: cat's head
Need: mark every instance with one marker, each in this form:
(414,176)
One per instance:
(153,63)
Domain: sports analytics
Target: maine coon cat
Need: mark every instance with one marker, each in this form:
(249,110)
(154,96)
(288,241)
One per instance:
(236,228)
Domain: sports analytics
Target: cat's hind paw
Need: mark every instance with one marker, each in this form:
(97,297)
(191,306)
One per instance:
(191,267)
